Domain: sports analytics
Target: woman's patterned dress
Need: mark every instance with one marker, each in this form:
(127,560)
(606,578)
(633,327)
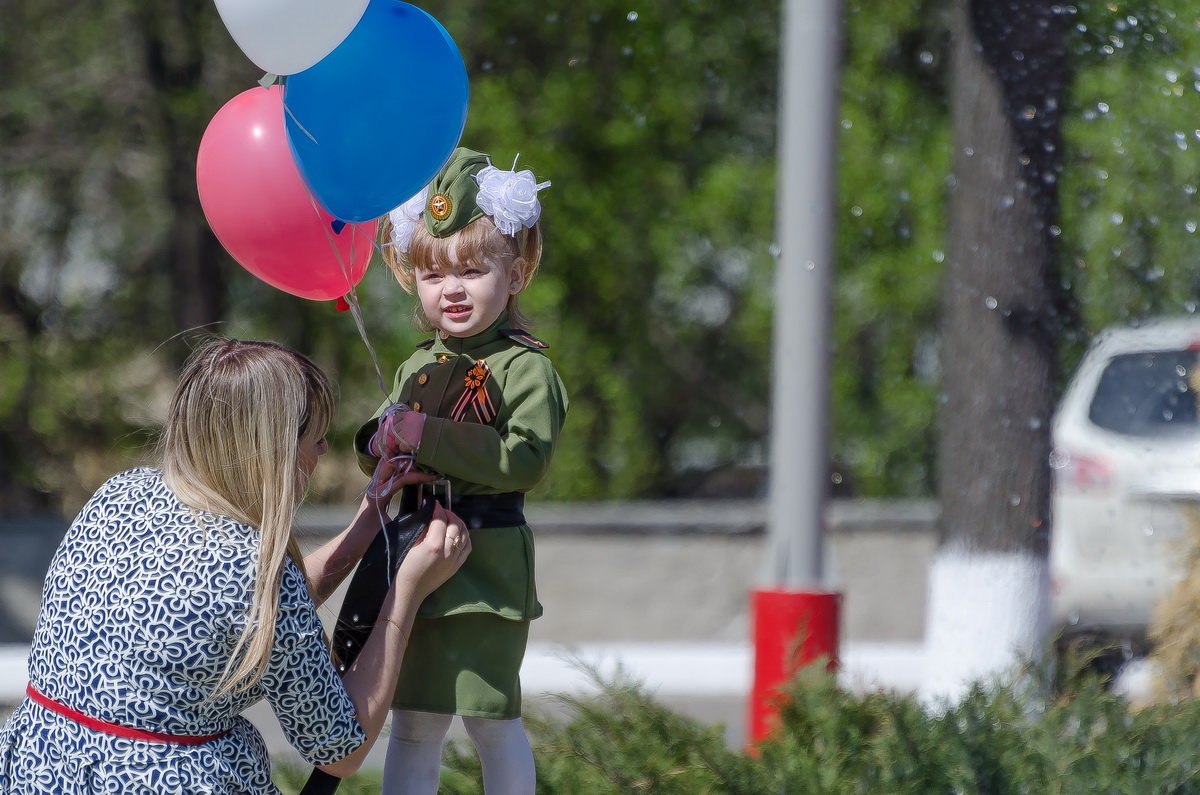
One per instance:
(142,604)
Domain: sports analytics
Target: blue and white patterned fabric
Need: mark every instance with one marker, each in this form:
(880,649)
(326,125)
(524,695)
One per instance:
(142,605)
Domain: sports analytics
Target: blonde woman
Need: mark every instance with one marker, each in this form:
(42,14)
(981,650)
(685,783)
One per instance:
(178,598)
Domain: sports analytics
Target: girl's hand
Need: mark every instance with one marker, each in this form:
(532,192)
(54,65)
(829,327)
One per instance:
(439,553)
(399,433)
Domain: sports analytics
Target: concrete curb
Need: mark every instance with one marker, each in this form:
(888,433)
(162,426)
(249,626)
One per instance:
(667,669)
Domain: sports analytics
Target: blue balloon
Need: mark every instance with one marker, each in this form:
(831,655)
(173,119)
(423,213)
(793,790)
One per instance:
(375,120)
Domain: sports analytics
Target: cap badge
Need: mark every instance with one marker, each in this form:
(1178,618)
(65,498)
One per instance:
(440,206)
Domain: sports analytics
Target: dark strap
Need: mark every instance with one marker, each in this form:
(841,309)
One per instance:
(364,597)
(320,783)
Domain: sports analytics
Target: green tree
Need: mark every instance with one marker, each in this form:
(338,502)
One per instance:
(104,254)
(657,127)
(894,160)
(1130,218)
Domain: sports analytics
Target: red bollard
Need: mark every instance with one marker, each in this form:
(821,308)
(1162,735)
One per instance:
(791,629)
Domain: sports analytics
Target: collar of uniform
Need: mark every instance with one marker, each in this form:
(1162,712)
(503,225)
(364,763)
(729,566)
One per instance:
(458,345)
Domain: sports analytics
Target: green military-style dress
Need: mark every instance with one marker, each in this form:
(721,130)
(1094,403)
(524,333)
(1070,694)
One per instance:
(465,653)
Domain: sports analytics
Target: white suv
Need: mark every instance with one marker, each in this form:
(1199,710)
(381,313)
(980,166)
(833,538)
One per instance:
(1126,462)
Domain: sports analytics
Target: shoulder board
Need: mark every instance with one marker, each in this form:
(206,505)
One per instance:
(522,337)
(427,344)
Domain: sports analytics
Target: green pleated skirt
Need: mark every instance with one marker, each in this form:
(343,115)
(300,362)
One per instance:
(467,664)
(468,641)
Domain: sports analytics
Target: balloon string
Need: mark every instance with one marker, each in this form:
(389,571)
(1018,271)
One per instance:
(351,295)
(304,130)
(356,312)
(401,463)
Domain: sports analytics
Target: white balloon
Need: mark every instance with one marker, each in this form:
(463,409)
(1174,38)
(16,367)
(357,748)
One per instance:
(287,36)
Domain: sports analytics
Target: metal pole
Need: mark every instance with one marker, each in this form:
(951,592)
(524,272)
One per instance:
(795,622)
(799,479)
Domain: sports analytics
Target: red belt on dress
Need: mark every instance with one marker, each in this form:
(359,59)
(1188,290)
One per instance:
(116,728)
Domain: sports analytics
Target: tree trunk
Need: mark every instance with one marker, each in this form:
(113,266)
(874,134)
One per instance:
(174,52)
(1003,308)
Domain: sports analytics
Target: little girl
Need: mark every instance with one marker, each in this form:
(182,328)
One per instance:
(480,404)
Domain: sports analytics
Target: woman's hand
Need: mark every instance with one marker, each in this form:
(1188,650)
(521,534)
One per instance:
(391,475)
(439,553)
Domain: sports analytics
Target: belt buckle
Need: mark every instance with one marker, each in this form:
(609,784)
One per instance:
(433,486)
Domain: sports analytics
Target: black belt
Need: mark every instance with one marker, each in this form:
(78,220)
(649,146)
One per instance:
(477,510)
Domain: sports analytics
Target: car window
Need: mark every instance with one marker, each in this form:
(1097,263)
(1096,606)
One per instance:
(1148,394)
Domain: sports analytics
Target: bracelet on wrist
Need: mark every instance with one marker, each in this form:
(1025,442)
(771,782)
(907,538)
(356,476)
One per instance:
(403,634)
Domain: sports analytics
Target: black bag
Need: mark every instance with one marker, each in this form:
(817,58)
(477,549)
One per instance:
(364,598)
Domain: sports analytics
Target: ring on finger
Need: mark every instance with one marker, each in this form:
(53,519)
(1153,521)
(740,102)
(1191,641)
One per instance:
(456,542)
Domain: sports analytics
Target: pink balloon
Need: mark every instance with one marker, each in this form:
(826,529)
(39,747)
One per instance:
(262,212)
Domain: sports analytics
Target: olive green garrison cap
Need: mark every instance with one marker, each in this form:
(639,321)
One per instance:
(451,201)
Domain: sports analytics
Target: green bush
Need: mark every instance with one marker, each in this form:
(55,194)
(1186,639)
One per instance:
(1067,734)
(1027,737)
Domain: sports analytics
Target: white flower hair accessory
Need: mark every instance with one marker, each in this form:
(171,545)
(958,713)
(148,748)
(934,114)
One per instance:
(405,219)
(510,197)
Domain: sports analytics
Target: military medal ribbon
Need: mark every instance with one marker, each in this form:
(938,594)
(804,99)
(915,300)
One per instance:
(475,395)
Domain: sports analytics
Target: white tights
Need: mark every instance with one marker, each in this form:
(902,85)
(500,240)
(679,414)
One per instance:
(414,756)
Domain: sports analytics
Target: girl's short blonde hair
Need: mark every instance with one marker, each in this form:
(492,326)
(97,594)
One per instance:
(479,240)
(231,446)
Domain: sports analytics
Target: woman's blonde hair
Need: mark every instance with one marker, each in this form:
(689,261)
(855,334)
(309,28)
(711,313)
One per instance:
(231,446)
(480,240)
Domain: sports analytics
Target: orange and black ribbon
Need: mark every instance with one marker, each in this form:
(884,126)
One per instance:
(475,396)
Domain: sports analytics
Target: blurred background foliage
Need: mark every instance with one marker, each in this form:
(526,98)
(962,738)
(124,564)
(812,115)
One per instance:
(656,124)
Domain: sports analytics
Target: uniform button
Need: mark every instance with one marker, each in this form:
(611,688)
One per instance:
(416,405)
(443,358)
(422,378)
